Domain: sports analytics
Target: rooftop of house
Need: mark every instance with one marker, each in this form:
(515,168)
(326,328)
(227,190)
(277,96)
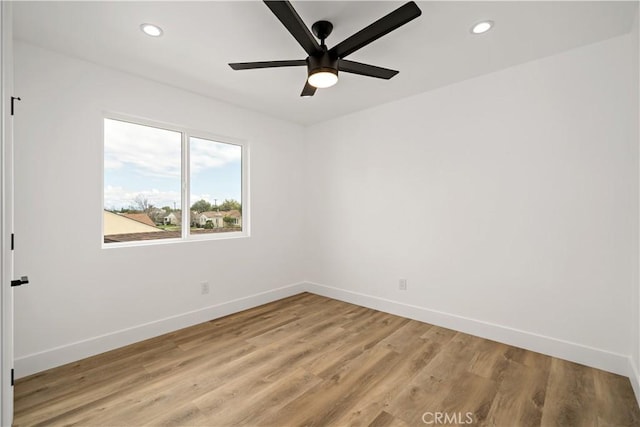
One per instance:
(140,217)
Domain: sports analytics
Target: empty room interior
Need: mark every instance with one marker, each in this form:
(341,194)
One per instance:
(325,213)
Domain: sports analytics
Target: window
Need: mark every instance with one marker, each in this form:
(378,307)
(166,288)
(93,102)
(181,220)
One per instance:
(164,183)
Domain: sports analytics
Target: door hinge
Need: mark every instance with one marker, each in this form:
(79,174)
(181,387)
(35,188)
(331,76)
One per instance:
(12,380)
(13,99)
(12,241)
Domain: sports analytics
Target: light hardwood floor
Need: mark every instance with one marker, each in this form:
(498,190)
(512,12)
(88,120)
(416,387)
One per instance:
(310,360)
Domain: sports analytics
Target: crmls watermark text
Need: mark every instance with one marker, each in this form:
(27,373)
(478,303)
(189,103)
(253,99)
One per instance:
(447,418)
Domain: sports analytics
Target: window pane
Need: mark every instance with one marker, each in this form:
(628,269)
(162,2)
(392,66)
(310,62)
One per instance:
(142,197)
(216,186)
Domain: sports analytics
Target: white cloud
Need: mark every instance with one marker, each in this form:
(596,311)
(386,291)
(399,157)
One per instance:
(151,151)
(157,152)
(210,154)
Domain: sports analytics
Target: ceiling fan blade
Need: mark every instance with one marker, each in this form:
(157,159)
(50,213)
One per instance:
(382,26)
(266,64)
(285,12)
(365,69)
(308,90)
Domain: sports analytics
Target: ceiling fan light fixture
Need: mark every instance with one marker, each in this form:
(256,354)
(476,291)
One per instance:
(323,63)
(482,27)
(151,30)
(323,78)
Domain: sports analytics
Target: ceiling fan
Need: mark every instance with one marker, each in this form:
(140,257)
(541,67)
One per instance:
(322,63)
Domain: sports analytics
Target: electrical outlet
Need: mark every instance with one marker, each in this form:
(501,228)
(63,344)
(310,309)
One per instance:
(402,284)
(204,288)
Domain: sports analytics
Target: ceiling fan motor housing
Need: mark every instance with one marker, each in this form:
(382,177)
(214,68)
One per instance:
(322,63)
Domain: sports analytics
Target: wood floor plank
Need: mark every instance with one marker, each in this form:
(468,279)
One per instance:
(273,362)
(472,395)
(570,396)
(378,398)
(520,398)
(489,360)
(385,419)
(360,339)
(311,360)
(456,396)
(328,401)
(267,402)
(73,404)
(454,359)
(187,415)
(615,400)
(79,372)
(404,336)
(309,325)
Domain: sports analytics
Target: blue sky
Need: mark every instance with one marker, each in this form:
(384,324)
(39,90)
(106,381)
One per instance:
(141,160)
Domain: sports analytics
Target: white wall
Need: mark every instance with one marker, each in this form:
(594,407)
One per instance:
(80,292)
(509,202)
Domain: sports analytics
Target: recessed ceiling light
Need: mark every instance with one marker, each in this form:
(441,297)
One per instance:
(151,30)
(482,27)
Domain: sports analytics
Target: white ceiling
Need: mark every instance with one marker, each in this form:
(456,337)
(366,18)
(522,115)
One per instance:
(200,38)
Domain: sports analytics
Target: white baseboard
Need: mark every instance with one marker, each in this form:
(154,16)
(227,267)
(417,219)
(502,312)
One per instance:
(571,351)
(36,362)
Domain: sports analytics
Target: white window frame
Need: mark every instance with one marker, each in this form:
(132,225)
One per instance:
(185,177)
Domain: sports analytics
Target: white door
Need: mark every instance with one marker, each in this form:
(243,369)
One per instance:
(6,213)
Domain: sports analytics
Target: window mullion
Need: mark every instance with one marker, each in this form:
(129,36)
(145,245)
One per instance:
(186,213)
